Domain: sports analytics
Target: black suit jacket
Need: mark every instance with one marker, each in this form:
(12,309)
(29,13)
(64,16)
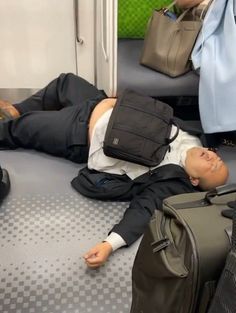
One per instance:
(145,194)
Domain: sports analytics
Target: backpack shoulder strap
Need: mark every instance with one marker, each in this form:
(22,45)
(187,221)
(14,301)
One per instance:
(165,172)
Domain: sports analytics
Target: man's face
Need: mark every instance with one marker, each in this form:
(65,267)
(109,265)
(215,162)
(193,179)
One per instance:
(205,165)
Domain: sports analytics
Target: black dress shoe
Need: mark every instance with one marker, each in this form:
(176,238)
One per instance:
(4,183)
(228,138)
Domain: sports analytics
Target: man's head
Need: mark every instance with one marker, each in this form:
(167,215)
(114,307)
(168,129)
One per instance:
(205,168)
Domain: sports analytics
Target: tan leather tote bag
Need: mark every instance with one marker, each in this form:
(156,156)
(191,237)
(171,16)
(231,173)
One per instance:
(168,42)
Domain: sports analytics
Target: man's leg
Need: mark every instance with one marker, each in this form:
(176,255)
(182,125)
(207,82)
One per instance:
(52,132)
(66,90)
(62,131)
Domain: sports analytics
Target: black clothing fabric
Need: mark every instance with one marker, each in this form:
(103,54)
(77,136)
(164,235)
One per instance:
(145,194)
(55,119)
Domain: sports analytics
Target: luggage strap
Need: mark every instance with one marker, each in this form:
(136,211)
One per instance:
(209,196)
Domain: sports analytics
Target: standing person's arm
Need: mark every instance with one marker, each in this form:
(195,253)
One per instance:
(188,3)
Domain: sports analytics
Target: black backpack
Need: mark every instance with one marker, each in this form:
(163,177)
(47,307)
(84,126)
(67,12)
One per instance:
(139,129)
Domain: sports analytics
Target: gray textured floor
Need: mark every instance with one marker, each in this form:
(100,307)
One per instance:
(45,228)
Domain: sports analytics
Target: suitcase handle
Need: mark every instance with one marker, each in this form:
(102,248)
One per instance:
(220,191)
(208,198)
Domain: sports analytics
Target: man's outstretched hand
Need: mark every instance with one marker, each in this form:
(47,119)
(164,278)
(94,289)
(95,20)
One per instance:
(98,255)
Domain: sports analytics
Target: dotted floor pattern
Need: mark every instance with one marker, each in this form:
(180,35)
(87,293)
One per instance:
(42,240)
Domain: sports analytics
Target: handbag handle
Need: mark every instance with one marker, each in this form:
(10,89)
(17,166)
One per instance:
(169,6)
(173,122)
(203,8)
(179,19)
(181,15)
(164,10)
(201,17)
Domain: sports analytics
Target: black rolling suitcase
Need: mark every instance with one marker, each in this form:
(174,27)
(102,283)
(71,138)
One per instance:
(182,254)
(224,300)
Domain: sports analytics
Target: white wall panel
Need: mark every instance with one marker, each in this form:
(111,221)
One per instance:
(37,41)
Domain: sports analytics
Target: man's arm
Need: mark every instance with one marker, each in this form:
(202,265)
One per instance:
(137,216)
(129,229)
(188,3)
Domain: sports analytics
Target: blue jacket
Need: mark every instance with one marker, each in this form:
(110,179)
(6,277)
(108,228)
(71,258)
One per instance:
(215,55)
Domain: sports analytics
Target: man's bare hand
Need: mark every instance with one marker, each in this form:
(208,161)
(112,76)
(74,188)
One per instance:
(98,255)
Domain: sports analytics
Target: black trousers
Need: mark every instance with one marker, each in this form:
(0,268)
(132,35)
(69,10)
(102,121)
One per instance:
(55,119)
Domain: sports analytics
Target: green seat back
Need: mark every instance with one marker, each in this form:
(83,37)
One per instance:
(133,16)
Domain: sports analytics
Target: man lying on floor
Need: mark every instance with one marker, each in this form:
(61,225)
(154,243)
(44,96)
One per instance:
(68,118)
